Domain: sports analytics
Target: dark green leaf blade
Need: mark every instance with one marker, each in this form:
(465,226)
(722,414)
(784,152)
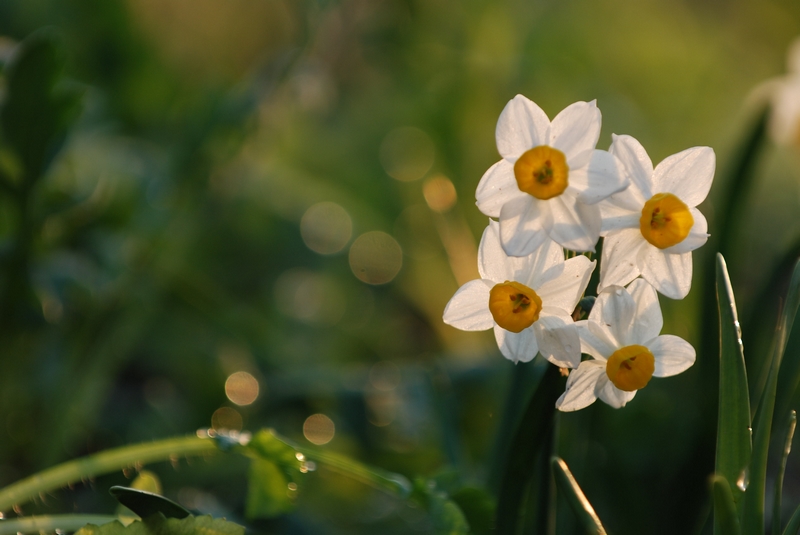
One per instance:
(146,504)
(787,447)
(726,520)
(531,436)
(267,490)
(794,523)
(753,513)
(733,426)
(576,498)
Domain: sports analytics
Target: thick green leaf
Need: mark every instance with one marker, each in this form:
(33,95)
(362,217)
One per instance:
(146,504)
(733,425)
(532,435)
(753,512)
(787,447)
(268,493)
(726,520)
(577,500)
(159,525)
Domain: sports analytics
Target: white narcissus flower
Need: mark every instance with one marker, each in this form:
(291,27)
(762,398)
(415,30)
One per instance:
(528,300)
(622,336)
(784,121)
(651,228)
(550,178)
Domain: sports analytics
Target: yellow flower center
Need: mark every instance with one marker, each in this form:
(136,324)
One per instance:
(514,306)
(665,221)
(631,367)
(542,172)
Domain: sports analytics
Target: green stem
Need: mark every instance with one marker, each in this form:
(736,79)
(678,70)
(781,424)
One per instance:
(49,524)
(101,463)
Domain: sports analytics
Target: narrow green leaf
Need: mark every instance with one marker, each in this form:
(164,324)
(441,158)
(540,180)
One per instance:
(753,513)
(787,447)
(794,523)
(145,503)
(575,498)
(733,425)
(478,508)
(726,520)
(531,436)
(445,514)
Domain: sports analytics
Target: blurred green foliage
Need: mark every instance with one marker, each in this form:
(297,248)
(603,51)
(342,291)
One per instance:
(156,236)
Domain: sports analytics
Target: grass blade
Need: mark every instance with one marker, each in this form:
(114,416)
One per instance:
(576,499)
(787,447)
(726,520)
(753,515)
(794,523)
(733,427)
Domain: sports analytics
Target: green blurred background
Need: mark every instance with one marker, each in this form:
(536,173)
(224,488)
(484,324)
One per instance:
(261,207)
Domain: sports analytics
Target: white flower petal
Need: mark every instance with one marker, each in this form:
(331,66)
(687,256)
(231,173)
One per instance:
(492,260)
(597,346)
(673,355)
(618,264)
(576,226)
(497,187)
(670,274)
(558,340)
(599,179)
(524,225)
(516,347)
(610,394)
(522,125)
(468,309)
(615,217)
(603,333)
(687,175)
(636,165)
(581,383)
(648,320)
(698,235)
(576,128)
(615,309)
(565,291)
(544,264)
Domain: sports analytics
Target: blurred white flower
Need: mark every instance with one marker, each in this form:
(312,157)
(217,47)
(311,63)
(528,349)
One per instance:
(652,227)
(622,336)
(550,178)
(528,300)
(784,121)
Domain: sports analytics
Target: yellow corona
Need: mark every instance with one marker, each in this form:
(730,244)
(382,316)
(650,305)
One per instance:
(542,172)
(666,220)
(631,367)
(514,306)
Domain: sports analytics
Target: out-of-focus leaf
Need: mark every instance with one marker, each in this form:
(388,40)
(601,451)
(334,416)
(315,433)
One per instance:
(478,508)
(753,513)
(726,520)
(794,523)
(146,504)
(787,447)
(160,525)
(576,498)
(267,490)
(733,425)
(445,514)
(531,436)
(38,108)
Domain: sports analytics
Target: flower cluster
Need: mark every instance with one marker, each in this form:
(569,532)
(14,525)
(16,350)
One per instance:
(553,190)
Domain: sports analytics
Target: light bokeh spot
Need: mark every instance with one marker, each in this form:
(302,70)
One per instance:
(440,194)
(319,429)
(407,153)
(326,228)
(376,257)
(384,375)
(226,418)
(241,388)
(310,297)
